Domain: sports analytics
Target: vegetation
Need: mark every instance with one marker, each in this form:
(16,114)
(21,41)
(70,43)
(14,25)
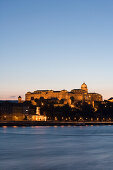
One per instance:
(83,112)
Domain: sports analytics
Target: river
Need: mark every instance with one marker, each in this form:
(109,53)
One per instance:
(56,148)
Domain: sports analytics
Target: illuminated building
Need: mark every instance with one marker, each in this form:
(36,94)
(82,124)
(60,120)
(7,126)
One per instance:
(71,97)
(110,100)
(38,116)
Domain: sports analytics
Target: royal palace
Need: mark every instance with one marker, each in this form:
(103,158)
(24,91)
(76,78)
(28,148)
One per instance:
(68,97)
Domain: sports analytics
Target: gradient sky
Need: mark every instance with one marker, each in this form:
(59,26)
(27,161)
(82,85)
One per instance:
(55,44)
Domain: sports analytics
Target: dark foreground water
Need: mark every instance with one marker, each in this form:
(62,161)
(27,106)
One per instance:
(56,148)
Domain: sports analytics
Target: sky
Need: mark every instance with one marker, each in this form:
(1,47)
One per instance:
(55,44)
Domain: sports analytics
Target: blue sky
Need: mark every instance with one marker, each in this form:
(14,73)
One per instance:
(55,44)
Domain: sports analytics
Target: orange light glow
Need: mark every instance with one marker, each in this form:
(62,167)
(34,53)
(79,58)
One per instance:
(14,126)
(4,126)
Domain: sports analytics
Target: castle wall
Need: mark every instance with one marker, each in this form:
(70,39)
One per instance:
(47,95)
(77,94)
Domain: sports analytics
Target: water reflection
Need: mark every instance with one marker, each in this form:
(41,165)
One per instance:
(55,148)
(4,126)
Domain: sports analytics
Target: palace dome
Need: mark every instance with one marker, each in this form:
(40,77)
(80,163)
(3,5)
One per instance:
(84,87)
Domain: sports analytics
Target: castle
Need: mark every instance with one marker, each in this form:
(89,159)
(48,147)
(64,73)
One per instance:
(68,97)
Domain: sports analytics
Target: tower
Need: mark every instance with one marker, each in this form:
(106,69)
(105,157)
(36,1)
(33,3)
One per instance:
(19,99)
(84,87)
(38,111)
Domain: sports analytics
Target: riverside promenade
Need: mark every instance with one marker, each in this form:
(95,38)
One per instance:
(52,123)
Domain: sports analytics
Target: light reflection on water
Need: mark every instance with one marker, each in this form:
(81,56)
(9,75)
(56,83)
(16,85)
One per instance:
(56,148)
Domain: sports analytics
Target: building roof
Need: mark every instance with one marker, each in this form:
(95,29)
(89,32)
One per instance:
(110,98)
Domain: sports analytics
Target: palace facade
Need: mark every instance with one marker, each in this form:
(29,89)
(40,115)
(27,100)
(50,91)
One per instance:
(69,97)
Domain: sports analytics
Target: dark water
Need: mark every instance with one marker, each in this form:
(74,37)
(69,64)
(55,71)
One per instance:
(56,148)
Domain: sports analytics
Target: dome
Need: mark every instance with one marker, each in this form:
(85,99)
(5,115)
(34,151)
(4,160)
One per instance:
(19,96)
(84,87)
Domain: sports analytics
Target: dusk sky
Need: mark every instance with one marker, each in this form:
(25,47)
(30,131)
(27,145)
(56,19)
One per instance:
(56,44)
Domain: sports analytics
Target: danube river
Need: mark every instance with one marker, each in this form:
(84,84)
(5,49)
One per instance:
(56,148)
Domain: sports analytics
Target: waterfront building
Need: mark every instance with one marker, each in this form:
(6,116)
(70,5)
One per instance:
(37,116)
(110,100)
(10,111)
(69,97)
(15,111)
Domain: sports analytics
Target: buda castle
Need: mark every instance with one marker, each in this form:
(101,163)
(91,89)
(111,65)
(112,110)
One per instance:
(69,97)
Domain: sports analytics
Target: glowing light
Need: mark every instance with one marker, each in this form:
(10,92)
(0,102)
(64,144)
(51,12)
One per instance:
(14,126)
(45,118)
(4,126)
(91,119)
(97,118)
(55,118)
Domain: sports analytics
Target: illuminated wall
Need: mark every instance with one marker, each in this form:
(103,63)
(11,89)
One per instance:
(77,94)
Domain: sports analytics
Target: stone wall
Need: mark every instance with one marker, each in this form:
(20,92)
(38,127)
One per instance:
(77,95)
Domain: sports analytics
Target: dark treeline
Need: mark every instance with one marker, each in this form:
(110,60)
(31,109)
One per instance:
(82,112)
(56,110)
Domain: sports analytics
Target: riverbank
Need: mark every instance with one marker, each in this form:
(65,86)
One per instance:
(52,123)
